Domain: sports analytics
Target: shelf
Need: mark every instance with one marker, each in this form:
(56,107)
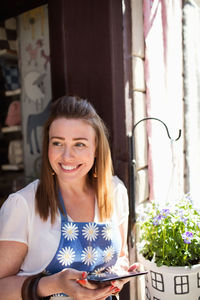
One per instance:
(12,167)
(8,54)
(13,93)
(11,129)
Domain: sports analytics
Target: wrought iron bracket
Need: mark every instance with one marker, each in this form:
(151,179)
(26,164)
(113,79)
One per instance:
(132,163)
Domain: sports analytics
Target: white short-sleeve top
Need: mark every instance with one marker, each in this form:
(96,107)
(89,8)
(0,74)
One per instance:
(20,222)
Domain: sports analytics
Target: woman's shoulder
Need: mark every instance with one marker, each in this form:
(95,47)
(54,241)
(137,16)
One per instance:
(120,199)
(17,209)
(29,189)
(118,184)
(119,190)
(25,196)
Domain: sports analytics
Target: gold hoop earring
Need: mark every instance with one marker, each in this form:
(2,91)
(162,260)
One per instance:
(95,170)
(52,172)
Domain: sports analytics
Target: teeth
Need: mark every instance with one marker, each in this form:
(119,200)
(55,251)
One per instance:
(68,168)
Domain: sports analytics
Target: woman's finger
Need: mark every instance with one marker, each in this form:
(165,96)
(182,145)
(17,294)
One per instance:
(134,266)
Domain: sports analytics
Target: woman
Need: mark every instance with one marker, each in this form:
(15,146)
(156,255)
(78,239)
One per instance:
(71,222)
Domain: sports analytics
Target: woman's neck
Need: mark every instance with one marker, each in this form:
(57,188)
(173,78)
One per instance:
(76,187)
(79,201)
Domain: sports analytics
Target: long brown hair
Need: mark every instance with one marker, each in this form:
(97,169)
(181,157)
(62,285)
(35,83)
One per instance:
(47,192)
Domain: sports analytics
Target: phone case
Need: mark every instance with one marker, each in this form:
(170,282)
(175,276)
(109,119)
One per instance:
(106,277)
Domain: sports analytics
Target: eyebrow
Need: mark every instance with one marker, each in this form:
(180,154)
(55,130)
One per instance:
(75,139)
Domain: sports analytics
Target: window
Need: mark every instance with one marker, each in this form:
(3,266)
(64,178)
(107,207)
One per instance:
(147,293)
(198,281)
(157,281)
(181,285)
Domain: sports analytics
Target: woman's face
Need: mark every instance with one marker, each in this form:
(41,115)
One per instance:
(71,149)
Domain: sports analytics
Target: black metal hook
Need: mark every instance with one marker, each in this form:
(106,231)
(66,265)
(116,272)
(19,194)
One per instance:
(151,118)
(132,166)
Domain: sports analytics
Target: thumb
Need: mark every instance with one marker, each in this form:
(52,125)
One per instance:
(134,267)
(75,274)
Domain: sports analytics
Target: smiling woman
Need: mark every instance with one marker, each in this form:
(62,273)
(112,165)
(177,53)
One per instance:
(71,150)
(77,210)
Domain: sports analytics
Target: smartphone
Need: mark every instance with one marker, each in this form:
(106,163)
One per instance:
(105,279)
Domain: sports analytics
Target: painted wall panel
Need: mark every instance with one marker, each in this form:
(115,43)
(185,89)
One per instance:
(36,93)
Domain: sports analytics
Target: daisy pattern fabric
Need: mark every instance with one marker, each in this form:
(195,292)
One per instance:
(86,246)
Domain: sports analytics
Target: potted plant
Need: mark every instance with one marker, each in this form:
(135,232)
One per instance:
(169,248)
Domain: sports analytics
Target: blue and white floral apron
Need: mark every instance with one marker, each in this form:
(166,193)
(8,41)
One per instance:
(85,246)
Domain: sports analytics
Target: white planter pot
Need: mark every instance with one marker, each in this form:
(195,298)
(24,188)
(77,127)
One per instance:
(171,283)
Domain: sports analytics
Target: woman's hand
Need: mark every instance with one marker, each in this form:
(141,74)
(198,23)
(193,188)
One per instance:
(74,284)
(118,284)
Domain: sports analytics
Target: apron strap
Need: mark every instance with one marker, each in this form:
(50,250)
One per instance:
(64,214)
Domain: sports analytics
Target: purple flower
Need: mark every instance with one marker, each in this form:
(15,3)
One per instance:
(181,212)
(157,220)
(184,220)
(187,237)
(188,197)
(164,213)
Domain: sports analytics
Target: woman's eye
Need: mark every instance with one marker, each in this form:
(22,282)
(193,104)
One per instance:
(56,143)
(80,145)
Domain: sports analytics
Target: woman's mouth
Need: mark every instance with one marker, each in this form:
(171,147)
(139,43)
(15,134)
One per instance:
(69,168)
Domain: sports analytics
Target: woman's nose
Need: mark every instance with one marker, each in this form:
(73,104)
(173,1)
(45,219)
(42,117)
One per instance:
(68,152)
